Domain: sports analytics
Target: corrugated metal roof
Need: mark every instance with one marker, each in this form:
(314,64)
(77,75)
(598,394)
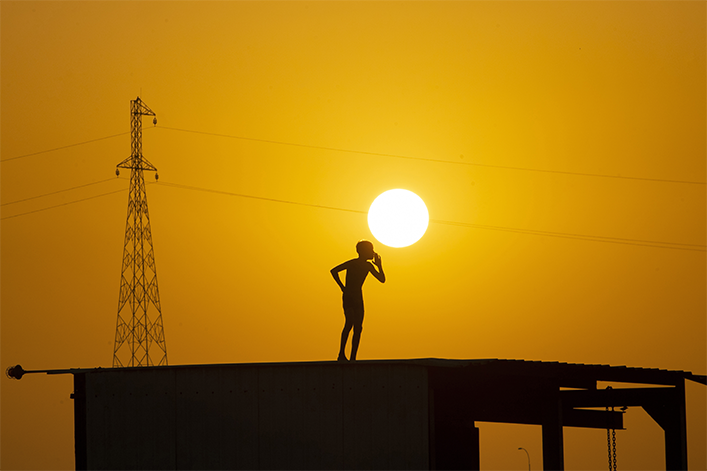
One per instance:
(592,372)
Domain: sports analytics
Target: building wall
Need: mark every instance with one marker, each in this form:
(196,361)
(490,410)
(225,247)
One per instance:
(261,416)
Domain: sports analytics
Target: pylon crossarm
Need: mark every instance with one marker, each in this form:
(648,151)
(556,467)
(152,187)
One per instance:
(140,108)
(142,164)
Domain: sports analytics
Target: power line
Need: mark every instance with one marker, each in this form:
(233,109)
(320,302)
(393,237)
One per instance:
(69,202)
(649,243)
(65,147)
(64,204)
(55,192)
(565,235)
(378,154)
(423,159)
(274,200)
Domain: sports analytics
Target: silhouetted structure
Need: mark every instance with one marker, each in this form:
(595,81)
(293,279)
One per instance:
(139,329)
(396,414)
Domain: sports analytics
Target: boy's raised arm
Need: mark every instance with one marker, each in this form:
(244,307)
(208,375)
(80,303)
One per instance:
(379,274)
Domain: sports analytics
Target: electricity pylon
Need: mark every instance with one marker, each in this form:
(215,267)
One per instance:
(139,334)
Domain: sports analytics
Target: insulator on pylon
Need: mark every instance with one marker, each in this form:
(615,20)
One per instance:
(117,172)
(157,177)
(154,121)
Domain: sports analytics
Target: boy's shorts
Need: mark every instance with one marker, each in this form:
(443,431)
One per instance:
(353,307)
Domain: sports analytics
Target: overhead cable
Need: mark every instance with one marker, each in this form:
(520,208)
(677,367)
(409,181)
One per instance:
(379,154)
(423,159)
(69,202)
(65,147)
(63,204)
(55,192)
(565,235)
(275,200)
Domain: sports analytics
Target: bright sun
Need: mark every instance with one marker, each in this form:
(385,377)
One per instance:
(398,218)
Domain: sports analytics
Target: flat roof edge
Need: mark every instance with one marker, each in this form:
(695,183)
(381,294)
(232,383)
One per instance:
(542,368)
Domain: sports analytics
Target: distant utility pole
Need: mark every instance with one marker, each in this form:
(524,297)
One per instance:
(139,334)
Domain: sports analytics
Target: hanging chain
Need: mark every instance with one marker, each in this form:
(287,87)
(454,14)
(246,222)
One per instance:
(611,441)
(608,442)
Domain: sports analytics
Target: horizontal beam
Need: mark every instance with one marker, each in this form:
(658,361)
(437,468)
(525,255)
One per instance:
(616,397)
(570,418)
(592,419)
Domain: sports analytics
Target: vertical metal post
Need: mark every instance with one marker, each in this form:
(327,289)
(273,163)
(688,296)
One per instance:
(669,412)
(553,443)
(676,432)
(80,435)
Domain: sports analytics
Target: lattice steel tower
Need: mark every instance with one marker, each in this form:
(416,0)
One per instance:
(139,334)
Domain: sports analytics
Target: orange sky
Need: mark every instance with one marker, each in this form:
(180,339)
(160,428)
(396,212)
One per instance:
(570,118)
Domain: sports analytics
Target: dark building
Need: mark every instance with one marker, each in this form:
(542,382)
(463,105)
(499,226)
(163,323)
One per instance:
(388,414)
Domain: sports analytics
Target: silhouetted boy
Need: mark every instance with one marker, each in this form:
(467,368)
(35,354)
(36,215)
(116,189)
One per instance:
(357,270)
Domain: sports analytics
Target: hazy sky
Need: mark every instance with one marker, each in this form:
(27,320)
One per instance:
(559,147)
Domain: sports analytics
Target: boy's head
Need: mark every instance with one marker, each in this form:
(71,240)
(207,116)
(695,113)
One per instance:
(364,248)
